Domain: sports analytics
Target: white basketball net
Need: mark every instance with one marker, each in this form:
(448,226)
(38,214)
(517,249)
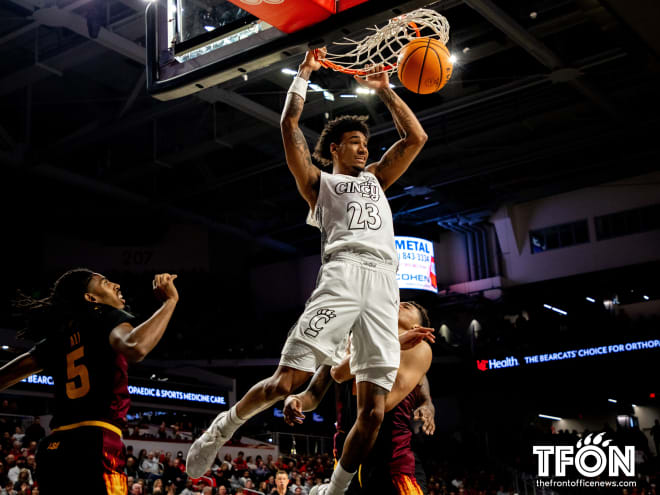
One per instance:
(383,45)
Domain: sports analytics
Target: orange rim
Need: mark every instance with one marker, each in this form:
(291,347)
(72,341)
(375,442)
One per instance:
(356,72)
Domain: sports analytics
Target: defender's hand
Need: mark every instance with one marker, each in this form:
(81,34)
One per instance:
(164,289)
(293,410)
(427,416)
(411,338)
(375,78)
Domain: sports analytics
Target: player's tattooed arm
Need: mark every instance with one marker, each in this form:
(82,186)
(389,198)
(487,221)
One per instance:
(398,158)
(298,157)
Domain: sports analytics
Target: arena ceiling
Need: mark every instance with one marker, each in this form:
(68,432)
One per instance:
(546,96)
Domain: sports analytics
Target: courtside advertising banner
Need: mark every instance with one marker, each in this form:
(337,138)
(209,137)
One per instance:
(416,264)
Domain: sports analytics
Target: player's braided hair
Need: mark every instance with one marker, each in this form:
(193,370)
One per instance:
(426,321)
(332,133)
(64,302)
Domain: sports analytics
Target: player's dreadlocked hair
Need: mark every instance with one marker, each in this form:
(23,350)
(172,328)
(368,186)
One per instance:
(426,321)
(64,302)
(332,133)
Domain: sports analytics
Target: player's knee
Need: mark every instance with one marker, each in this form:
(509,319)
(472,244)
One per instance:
(371,418)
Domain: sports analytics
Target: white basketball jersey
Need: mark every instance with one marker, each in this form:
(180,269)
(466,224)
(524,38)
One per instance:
(354,215)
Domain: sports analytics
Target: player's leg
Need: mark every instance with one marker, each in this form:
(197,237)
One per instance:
(260,397)
(375,354)
(329,313)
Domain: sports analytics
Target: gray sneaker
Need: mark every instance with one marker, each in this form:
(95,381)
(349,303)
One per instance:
(203,451)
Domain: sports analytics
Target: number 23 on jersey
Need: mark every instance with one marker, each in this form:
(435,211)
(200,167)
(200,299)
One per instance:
(363,217)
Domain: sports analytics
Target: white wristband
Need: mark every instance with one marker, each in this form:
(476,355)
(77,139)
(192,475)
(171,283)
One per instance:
(299,87)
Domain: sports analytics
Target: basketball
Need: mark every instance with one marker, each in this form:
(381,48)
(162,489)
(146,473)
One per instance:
(424,65)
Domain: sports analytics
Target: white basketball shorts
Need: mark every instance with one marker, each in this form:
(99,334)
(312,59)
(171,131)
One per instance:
(353,293)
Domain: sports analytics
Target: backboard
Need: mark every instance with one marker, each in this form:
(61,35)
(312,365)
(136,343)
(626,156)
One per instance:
(196,44)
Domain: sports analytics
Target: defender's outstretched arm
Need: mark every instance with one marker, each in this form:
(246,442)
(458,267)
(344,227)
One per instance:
(298,157)
(295,405)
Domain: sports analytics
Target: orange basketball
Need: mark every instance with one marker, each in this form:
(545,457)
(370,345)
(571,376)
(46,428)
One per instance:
(424,65)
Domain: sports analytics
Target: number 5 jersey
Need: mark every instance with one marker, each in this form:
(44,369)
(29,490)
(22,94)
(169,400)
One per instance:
(91,379)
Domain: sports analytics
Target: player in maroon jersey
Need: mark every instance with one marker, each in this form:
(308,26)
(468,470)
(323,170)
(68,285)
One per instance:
(392,458)
(87,342)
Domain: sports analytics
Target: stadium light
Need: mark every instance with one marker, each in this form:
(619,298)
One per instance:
(547,416)
(591,299)
(556,310)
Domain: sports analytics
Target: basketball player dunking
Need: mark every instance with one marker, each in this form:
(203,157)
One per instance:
(356,289)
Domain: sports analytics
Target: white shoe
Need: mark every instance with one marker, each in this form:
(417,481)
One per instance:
(319,489)
(204,450)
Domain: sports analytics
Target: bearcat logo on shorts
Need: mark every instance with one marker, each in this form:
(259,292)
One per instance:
(53,445)
(368,188)
(318,321)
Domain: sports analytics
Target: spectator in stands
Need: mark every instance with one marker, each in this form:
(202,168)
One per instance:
(151,467)
(207,479)
(222,490)
(244,477)
(15,471)
(251,465)
(32,448)
(35,431)
(227,461)
(136,489)
(18,435)
(239,463)
(17,449)
(262,470)
(174,475)
(162,431)
(222,475)
(141,457)
(129,453)
(129,482)
(31,464)
(281,483)
(24,478)
(157,489)
(271,483)
(131,468)
(297,483)
(207,490)
(188,490)
(309,482)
